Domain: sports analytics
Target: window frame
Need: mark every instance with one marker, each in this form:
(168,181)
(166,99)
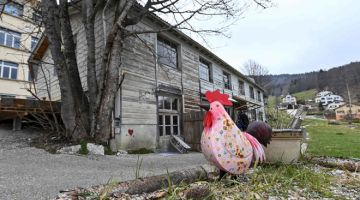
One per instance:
(173,126)
(205,64)
(174,47)
(259,96)
(11,69)
(252,94)
(34,41)
(14,37)
(36,17)
(241,89)
(172,113)
(228,84)
(14,5)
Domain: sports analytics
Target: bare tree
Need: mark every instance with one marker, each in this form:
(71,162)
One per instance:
(256,71)
(89,115)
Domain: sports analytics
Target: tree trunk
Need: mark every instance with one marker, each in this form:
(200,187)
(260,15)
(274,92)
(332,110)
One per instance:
(108,95)
(88,21)
(72,96)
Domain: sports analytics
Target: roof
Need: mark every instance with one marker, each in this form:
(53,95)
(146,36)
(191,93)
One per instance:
(353,104)
(41,48)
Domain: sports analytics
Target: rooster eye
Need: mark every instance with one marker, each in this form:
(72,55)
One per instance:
(217,105)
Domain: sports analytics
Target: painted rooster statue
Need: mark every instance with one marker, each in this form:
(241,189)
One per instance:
(224,144)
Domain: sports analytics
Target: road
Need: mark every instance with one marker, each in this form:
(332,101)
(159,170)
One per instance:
(30,173)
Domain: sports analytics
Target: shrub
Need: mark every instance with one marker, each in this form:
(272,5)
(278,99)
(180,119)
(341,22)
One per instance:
(83,149)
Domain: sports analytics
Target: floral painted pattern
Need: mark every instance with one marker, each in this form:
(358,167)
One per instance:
(225,146)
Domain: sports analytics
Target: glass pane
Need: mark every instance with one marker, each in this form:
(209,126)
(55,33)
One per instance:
(175,120)
(14,9)
(161,130)
(160,120)
(167,53)
(13,73)
(176,130)
(167,103)
(6,72)
(175,104)
(10,64)
(16,42)
(167,120)
(168,130)
(9,40)
(204,72)
(2,38)
(161,102)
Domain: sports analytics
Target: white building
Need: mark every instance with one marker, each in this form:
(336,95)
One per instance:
(288,99)
(333,106)
(327,97)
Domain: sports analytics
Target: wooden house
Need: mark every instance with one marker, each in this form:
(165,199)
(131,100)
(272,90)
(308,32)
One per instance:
(156,91)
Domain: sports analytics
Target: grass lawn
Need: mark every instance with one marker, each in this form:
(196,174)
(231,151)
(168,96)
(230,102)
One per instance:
(305,95)
(333,140)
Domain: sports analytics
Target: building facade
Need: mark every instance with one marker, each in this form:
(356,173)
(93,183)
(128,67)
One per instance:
(156,92)
(343,112)
(327,97)
(18,37)
(288,99)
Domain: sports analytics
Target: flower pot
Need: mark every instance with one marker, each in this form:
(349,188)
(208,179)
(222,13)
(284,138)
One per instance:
(286,145)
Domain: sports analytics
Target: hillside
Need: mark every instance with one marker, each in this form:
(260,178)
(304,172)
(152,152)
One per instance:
(334,79)
(305,95)
(300,97)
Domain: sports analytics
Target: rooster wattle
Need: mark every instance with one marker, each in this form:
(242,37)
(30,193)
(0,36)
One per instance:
(223,143)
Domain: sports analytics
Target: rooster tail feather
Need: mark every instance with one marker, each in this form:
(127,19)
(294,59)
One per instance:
(259,153)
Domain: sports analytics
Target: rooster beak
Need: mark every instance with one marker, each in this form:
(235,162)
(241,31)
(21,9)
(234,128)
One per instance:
(205,107)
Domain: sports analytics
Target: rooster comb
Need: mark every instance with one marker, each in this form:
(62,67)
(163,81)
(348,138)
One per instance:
(217,96)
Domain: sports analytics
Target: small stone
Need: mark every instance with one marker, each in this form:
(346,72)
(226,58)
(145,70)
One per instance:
(95,149)
(121,152)
(70,149)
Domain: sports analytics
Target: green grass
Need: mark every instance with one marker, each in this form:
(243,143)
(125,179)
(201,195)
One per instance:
(333,140)
(305,95)
(277,180)
(141,151)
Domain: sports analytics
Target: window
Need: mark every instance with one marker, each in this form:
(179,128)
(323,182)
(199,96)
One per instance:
(13,8)
(167,52)
(252,95)
(29,76)
(36,17)
(168,115)
(241,87)
(204,70)
(34,41)
(9,38)
(226,79)
(8,70)
(259,96)
(168,124)
(261,116)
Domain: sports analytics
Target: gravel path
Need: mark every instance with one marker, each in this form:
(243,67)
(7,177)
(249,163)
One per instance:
(30,173)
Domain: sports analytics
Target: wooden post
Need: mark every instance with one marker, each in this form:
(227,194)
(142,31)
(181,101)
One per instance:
(17,123)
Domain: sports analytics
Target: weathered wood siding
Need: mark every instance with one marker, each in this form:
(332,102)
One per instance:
(136,102)
(46,81)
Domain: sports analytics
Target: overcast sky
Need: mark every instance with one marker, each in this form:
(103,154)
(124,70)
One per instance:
(295,36)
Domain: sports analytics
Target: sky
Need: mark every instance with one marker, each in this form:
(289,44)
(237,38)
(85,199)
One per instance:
(293,36)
